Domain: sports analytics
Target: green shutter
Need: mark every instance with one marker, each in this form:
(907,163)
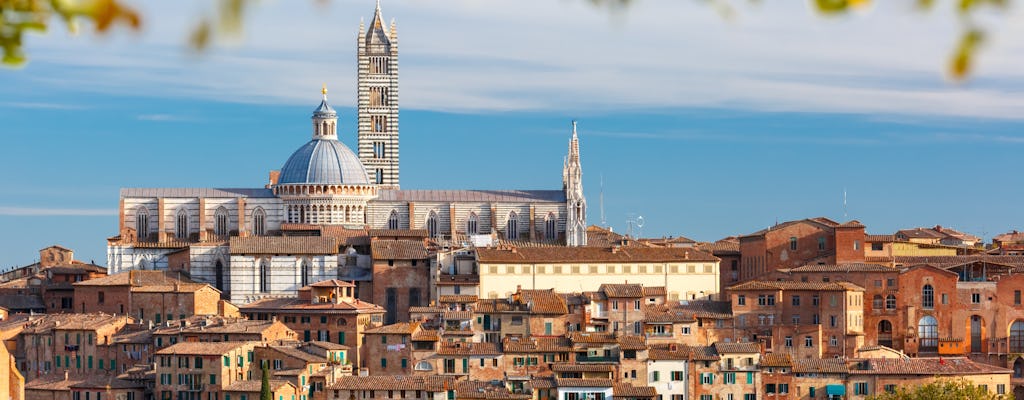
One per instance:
(656,377)
(750,378)
(341,337)
(113,364)
(213,379)
(227,361)
(465,365)
(101,364)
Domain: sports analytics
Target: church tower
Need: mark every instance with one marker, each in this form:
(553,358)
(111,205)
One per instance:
(377,56)
(575,203)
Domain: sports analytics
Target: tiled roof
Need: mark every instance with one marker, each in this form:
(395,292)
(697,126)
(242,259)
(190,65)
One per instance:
(542,383)
(531,255)
(703,353)
(468,349)
(283,245)
(486,390)
(380,382)
(332,283)
(502,196)
(204,348)
(457,298)
(254,385)
(537,345)
(578,382)
(56,382)
(139,279)
(457,314)
(327,345)
(956,366)
(21,303)
(669,352)
(655,313)
(732,348)
(879,238)
(398,249)
(850,267)
(399,233)
(293,304)
(951,261)
(820,365)
(545,301)
(704,308)
(791,285)
(214,325)
(592,337)
(125,336)
(567,367)
(819,221)
(632,342)
(776,360)
(426,335)
(299,354)
(601,237)
(196,192)
(634,290)
(401,328)
(1009,237)
(50,322)
(629,391)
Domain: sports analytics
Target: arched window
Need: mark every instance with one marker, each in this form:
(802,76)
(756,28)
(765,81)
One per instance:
(885,326)
(512,226)
(393,220)
(885,333)
(1017,337)
(432,224)
(792,243)
(890,302)
(471,224)
(181,225)
(928,297)
(306,273)
(264,276)
(877,302)
(142,223)
(324,129)
(550,227)
(218,275)
(928,333)
(220,218)
(259,222)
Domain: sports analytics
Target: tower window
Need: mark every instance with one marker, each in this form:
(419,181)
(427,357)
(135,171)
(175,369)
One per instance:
(379,176)
(379,123)
(471,224)
(378,149)
(379,96)
(380,65)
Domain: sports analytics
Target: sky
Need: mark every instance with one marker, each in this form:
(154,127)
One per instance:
(706,126)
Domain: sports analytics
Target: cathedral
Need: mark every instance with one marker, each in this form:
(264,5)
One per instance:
(254,243)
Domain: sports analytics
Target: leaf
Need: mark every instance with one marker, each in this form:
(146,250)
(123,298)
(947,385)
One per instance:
(960,64)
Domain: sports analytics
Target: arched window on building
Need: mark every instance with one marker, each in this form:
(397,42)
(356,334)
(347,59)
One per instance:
(928,333)
(877,303)
(264,276)
(142,223)
(550,227)
(512,226)
(393,220)
(471,224)
(890,302)
(1017,337)
(885,333)
(792,243)
(220,219)
(928,297)
(432,224)
(259,222)
(306,273)
(181,224)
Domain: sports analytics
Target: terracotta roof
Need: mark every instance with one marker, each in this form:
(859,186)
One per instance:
(703,353)
(532,255)
(204,348)
(655,313)
(21,303)
(634,290)
(213,325)
(578,382)
(293,304)
(669,352)
(332,283)
(706,309)
(254,385)
(426,335)
(283,245)
(468,349)
(823,222)
(1009,237)
(721,247)
(328,345)
(401,328)
(58,383)
(925,366)
(382,382)
(125,336)
(486,390)
(299,354)
(879,238)
(398,249)
(732,348)
(457,298)
(567,367)
(951,261)
(592,337)
(791,285)
(139,279)
(51,322)
(457,314)
(776,360)
(602,237)
(632,342)
(850,267)
(630,391)
(820,365)
(545,302)
(537,345)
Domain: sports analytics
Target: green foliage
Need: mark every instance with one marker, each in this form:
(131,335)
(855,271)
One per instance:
(947,389)
(265,393)
(20,16)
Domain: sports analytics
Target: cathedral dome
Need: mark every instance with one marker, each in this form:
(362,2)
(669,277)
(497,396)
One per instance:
(325,161)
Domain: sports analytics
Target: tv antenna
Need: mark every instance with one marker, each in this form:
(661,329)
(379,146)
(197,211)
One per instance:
(634,222)
(844,204)
(604,223)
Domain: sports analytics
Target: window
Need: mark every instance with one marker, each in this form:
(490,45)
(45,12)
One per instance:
(877,246)
(1017,337)
(142,223)
(220,219)
(305,271)
(679,376)
(890,302)
(832,321)
(264,276)
(928,333)
(1000,388)
(891,282)
(766,299)
(259,222)
(550,227)
(796,300)
(856,244)
(890,388)
(860,388)
(976,298)
(655,376)
(379,122)
(378,149)
(100,297)
(392,219)
(1016,297)
(808,341)
(833,341)
(814,300)
(471,224)
(792,243)
(512,226)
(783,388)
(928,297)
(769,388)
(789,341)
(945,298)
(877,302)
(728,377)
(707,378)
(181,225)
(636,305)
(815,319)
(741,300)
(432,224)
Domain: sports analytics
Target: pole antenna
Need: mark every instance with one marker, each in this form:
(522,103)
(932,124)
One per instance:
(604,223)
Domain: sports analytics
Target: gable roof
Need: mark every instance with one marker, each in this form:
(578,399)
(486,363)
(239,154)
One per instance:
(283,245)
(383,249)
(577,255)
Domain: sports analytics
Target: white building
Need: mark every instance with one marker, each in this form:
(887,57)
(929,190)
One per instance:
(667,368)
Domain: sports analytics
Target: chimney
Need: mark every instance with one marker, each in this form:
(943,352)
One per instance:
(65,375)
(686,255)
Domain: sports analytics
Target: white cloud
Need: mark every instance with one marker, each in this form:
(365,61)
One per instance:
(46,212)
(481,56)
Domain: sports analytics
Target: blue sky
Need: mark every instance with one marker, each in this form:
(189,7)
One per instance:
(706,126)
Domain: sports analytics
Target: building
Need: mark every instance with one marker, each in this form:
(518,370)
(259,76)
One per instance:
(401,276)
(201,370)
(219,329)
(156,296)
(795,243)
(74,343)
(938,235)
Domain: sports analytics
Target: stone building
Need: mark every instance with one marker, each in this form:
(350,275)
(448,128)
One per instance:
(201,370)
(795,243)
(156,296)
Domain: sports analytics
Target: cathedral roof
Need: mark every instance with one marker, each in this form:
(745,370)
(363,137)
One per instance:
(324,161)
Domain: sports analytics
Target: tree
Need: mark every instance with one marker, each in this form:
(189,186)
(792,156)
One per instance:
(946,389)
(265,393)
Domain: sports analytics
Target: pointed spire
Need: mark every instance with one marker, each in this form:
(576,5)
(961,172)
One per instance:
(574,145)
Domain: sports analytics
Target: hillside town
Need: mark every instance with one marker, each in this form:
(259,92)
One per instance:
(330,282)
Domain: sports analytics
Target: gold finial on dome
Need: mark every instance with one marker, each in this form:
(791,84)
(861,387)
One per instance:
(323,89)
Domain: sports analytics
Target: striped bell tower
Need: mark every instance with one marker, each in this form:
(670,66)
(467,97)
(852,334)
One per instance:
(377,56)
